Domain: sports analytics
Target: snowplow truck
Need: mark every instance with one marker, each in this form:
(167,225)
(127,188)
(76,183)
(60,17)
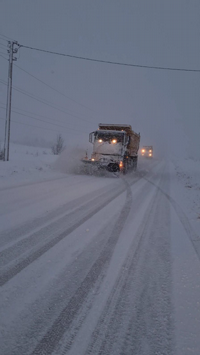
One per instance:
(147,151)
(115,148)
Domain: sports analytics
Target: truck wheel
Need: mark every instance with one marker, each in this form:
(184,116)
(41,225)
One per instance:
(134,164)
(113,168)
(125,168)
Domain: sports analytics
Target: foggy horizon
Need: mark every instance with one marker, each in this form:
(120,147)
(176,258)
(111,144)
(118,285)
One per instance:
(163,106)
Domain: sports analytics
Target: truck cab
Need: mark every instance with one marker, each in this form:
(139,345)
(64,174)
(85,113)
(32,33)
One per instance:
(109,147)
(115,148)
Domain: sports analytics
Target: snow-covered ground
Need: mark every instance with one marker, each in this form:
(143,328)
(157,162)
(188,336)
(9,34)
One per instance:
(188,188)
(27,164)
(185,240)
(98,265)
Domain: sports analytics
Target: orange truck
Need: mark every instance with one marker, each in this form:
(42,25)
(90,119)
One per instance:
(115,148)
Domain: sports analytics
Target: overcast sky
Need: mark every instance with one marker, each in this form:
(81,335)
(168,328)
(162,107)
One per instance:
(164,106)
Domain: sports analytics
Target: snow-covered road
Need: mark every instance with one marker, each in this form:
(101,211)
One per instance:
(99,265)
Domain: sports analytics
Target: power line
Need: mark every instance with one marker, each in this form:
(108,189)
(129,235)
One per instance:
(38,119)
(3,50)
(3,39)
(45,103)
(1,34)
(27,124)
(35,114)
(3,57)
(61,93)
(111,62)
(51,87)
(105,61)
(3,45)
(3,82)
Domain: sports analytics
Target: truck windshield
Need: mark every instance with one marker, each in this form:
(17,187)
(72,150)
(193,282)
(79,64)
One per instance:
(108,137)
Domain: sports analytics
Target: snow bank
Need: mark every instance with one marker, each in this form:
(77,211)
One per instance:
(187,181)
(27,164)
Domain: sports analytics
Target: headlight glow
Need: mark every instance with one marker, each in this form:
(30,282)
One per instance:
(114,141)
(100,141)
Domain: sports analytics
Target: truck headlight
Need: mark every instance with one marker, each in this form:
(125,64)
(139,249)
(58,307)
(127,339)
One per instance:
(114,141)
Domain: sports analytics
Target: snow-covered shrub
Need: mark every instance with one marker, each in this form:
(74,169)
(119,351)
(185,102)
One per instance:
(58,147)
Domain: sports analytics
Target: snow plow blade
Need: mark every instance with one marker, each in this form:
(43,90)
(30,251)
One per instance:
(91,167)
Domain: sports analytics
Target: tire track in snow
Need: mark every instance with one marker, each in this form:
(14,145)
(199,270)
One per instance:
(13,270)
(137,316)
(32,183)
(34,328)
(69,212)
(192,235)
(70,329)
(55,333)
(47,300)
(27,228)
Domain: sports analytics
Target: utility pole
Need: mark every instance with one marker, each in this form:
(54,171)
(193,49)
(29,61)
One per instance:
(12,49)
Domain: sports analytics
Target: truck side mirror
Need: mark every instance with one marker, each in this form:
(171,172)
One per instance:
(91,137)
